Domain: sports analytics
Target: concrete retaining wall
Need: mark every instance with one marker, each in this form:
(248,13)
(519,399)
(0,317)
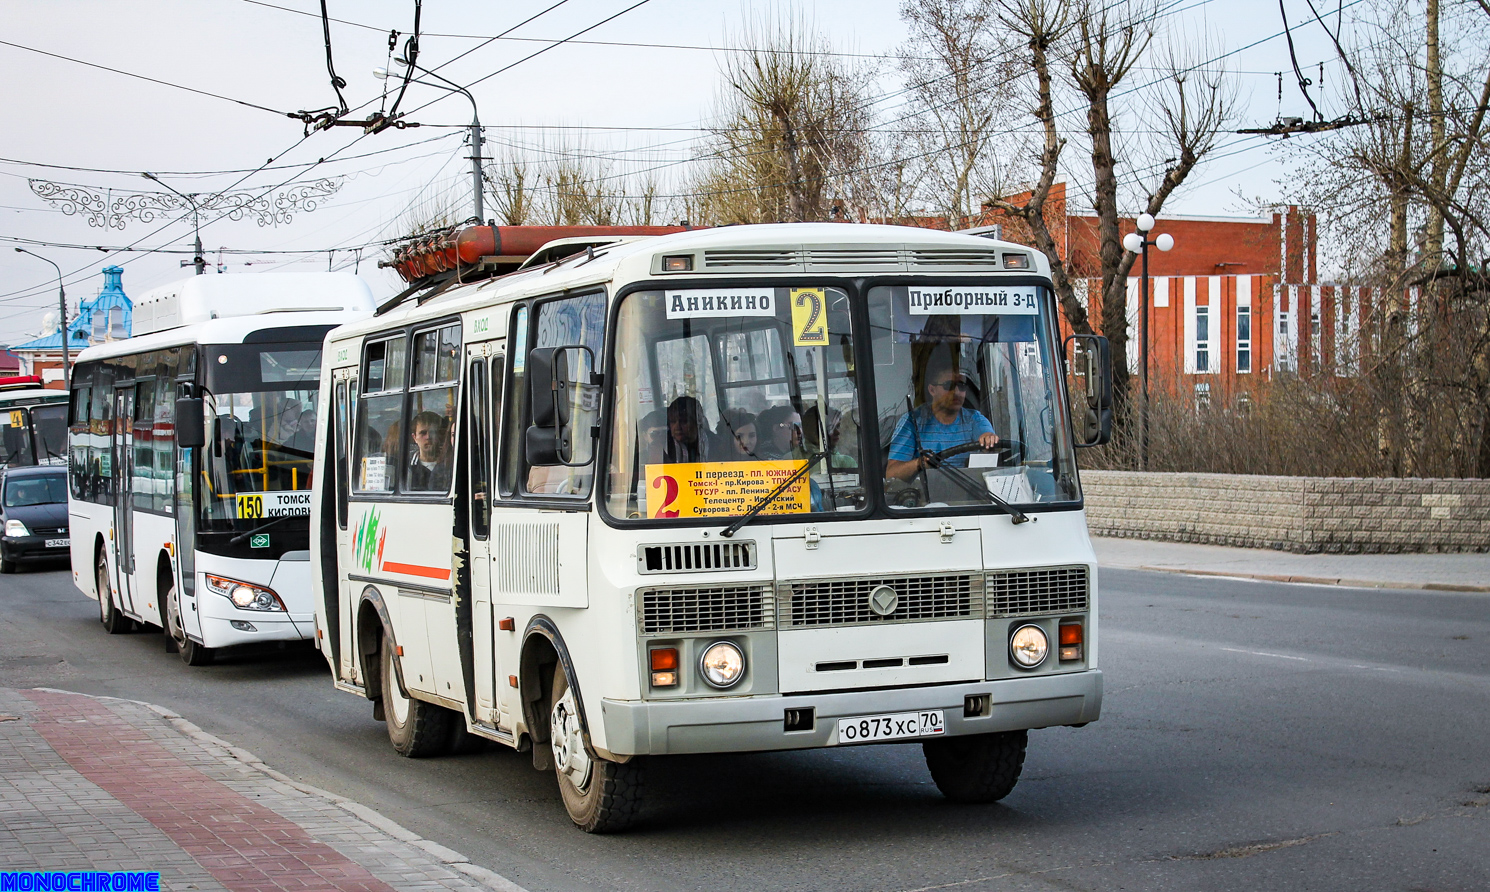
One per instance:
(1346,515)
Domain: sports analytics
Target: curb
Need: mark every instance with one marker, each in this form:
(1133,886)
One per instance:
(1312,580)
(449,857)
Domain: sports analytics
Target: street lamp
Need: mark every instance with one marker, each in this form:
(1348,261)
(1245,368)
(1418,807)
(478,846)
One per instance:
(196,222)
(1139,243)
(62,305)
(453,87)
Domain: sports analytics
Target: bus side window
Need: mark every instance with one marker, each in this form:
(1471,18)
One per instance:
(430,421)
(479,430)
(338,437)
(561,323)
(379,440)
(517,422)
(77,429)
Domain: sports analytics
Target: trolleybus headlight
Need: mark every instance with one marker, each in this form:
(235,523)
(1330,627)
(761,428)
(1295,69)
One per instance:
(1028,646)
(722,665)
(16,530)
(244,595)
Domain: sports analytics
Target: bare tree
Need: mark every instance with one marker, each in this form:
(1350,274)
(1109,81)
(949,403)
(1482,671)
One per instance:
(792,135)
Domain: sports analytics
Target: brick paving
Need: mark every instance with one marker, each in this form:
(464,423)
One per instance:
(101,784)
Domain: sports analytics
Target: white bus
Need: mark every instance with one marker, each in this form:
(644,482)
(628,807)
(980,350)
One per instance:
(719,491)
(33,422)
(191,459)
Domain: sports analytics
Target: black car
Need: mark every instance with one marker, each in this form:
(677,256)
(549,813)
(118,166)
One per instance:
(33,516)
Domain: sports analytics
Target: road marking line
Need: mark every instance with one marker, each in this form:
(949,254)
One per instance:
(1258,653)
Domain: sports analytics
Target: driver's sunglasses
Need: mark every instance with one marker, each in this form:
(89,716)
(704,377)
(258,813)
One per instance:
(949,385)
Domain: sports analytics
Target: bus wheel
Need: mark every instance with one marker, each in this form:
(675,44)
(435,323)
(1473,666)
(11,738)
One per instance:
(192,653)
(416,728)
(980,768)
(600,796)
(114,621)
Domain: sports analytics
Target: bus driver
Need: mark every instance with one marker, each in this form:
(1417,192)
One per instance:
(940,423)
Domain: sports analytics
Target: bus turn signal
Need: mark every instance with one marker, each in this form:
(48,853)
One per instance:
(1070,641)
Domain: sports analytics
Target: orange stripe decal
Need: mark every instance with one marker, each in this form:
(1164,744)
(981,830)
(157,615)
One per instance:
(416,570)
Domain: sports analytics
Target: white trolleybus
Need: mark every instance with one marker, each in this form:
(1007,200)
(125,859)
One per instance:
(191,459)
(742,489)
(33,422)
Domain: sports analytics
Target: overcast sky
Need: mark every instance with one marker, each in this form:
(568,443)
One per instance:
(64,113)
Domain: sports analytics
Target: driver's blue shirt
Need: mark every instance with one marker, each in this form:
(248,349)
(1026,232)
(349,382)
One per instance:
(934,436)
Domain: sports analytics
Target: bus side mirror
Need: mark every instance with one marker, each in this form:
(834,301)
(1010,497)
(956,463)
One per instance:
(191,431)
(1090,364)
(564,400)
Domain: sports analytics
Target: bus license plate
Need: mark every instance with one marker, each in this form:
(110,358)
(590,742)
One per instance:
(896,726)
(59,543)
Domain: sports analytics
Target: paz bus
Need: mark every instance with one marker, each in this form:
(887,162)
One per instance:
(33,422)
(191,459)
(742,489)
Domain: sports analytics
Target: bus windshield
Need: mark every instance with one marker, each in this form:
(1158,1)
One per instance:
(966,387)
(260,416)
(724,394)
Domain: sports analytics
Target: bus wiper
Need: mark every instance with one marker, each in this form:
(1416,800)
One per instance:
(242,537)
(771,496)
(970,483)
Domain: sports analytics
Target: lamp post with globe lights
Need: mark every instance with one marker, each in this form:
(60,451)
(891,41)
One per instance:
(1139,243)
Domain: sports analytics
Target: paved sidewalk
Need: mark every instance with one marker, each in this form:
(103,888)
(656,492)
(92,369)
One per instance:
(1443,572)
(103,784)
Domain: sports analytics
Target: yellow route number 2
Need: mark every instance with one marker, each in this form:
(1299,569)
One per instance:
(809,317)
(251,506)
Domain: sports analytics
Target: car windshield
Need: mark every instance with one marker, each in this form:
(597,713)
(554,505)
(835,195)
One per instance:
(260,422)
(23,492)
(722,394)
(966,388)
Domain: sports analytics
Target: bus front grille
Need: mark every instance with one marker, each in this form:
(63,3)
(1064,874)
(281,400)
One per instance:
(1032,592)
(720,608)
(848,602)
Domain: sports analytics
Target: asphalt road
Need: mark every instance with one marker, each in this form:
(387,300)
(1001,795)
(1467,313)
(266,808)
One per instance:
(1254,736)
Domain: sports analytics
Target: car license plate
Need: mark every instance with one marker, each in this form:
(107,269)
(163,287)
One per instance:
(59,543)
(896,726)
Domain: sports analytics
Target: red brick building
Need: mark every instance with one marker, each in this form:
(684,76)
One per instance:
(1229,306)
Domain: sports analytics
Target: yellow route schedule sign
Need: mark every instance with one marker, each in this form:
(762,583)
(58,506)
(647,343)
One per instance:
(723,489)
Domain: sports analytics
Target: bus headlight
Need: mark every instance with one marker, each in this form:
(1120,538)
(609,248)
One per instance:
(15,529)
(1028,646)
(722,665)
(243,594)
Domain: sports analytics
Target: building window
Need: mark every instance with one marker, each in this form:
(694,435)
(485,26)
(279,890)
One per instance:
(116,323)
(1202,339)
(1202,396)
(1244,339)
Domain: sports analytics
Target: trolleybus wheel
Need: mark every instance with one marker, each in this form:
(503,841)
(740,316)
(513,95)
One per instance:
(192,653)
(600,796)
(980,768)
(114,621)
(416,728)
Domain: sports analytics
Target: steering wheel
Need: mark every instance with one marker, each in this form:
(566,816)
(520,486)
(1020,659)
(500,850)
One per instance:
(1012,451)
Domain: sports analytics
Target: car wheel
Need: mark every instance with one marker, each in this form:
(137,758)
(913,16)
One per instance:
(600,796)
(979,768)
(415,728)
(114,621)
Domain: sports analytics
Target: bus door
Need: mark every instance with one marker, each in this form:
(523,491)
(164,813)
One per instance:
(479,430)
(123,459)
(344,413)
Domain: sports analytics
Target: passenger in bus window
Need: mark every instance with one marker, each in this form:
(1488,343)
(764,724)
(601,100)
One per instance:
(652,437)
(838,458)
(941,422)
(737,435)
(780,433)
(429,467)
(685,421)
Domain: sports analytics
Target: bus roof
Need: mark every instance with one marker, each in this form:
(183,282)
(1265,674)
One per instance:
(203,298)
(233,330)
(31,396)
(774,249)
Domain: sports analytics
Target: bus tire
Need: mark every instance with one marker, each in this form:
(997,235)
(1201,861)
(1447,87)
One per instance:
(979,768)
(415,728)
(114,621)
(600,796)
(191,653)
